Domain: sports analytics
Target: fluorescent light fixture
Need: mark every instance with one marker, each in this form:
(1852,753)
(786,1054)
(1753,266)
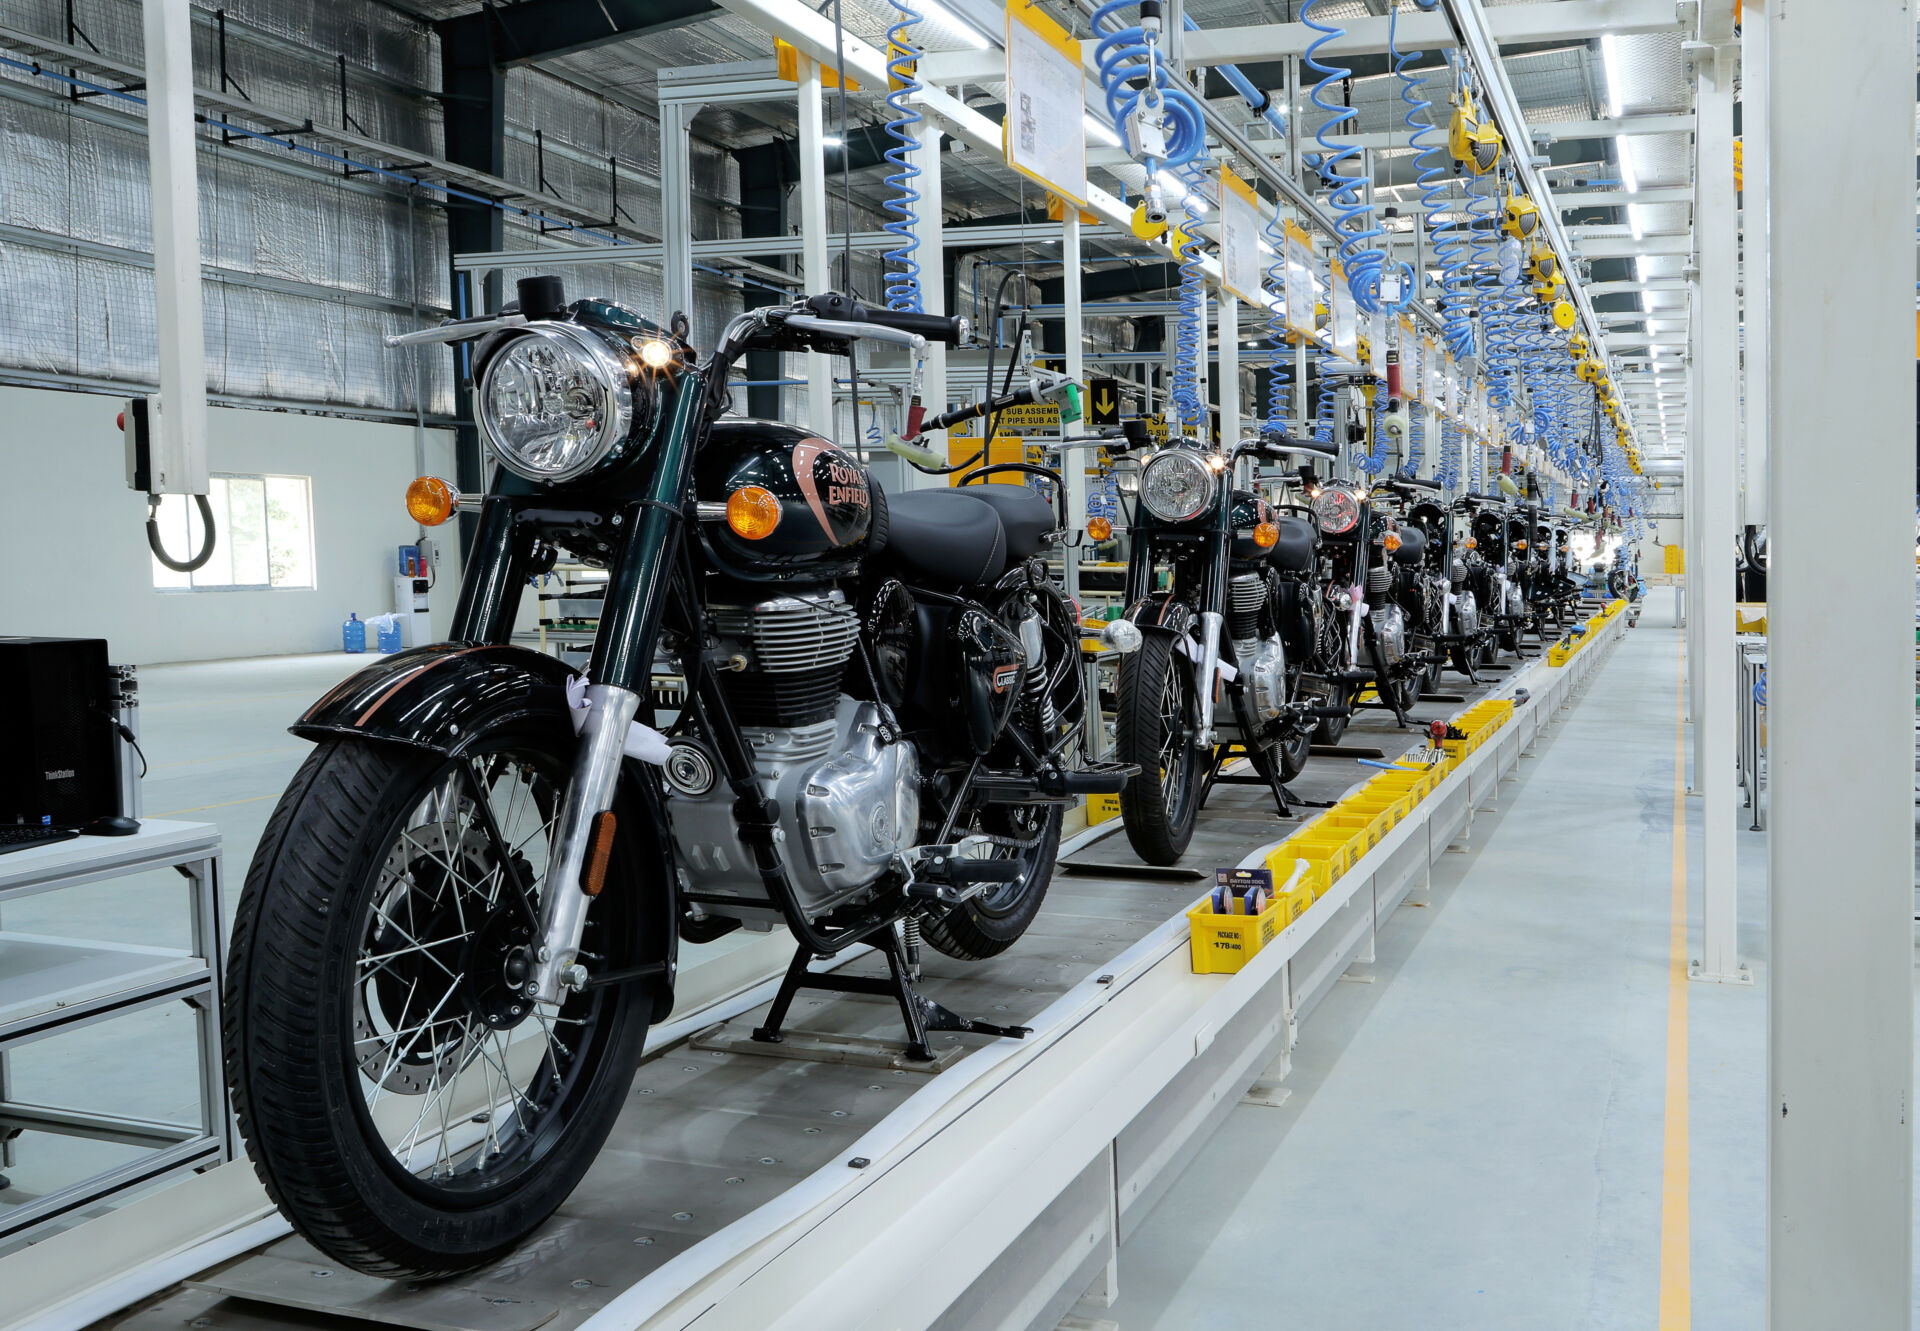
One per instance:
(1610,57)
(1266,248)
(1640,269)
(1097,130)
(1628,176)
(935,12)
(1634,223)
(832,141)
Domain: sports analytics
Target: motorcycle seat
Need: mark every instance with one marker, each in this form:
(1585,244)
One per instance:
(1027,518)
(946,536)
(1413,545)
(1293,552)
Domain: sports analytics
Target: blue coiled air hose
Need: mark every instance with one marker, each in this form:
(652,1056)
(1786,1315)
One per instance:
(1134,76)
(1277,324)
(1354,223)
(903,278)
(1188,340)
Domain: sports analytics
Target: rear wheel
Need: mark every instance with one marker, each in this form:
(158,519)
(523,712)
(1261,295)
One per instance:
(990,923)
(1158,728)
(407,1107)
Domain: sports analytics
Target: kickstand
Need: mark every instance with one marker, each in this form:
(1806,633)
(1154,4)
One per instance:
(919,1013)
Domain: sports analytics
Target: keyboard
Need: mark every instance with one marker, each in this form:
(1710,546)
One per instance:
(19,837)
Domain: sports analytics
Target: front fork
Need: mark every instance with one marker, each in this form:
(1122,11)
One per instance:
(619,680)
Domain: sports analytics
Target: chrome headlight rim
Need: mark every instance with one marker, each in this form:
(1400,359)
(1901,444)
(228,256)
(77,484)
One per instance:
(1163,463)
(1327,500)
(616,389)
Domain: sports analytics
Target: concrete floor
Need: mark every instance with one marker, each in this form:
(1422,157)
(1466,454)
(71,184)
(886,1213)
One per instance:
(1475,1137)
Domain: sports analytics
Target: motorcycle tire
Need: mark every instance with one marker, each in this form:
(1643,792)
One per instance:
(1155,727)
(1331,728)
(357,901)
(990,923)
(1294,754)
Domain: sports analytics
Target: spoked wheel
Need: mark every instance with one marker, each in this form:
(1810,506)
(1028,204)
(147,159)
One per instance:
(990,923)
(1406,689)
(1158,728)
(408,1107)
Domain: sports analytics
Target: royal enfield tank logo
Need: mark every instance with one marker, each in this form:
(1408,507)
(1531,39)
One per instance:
(834,484)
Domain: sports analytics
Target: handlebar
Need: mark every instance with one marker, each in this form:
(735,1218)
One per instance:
(1413,482)
(1277,446)
(1019,397)
(844,309)
(456,330)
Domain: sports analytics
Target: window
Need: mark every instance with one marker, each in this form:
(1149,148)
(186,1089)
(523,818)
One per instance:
(263,535)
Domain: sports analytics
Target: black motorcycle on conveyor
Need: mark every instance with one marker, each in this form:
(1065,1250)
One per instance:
(1222,646)
(464,914)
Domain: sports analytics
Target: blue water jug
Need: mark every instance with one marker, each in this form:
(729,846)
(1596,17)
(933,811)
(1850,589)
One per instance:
(353,634)
(387,633)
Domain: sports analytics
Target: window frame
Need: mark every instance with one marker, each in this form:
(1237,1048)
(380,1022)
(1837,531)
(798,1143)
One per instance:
(313,584)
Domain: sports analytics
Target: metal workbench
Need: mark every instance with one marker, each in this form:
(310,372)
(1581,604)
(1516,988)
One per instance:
(52,986)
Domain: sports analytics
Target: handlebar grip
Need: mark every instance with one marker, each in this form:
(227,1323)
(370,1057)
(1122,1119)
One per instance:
(1418,482)
(1018,397)
(934,327)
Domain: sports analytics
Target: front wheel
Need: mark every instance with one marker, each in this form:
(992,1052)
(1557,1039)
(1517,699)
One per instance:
(1158,728)
(406,1106)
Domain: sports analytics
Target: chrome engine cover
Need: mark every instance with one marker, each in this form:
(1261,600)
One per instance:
(1466,612)
(1390,628)
(1263,670)
(848,803)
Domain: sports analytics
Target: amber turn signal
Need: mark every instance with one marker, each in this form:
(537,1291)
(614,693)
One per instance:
(1519,545)
(1392,540)
(1265,534)
(1472,543)
(1100,529)
(430,501)
(753,512)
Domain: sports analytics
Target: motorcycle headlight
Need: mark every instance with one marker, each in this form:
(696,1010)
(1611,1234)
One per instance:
(555,402)
(1177,486)
(1338,509)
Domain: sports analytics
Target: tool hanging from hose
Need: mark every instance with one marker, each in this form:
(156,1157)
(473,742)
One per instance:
(1374,287)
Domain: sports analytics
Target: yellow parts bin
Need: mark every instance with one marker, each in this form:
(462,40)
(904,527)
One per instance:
(1223,944)
(1749,616)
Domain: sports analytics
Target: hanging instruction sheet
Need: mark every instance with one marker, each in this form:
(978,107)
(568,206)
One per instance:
(1240,266)
(1482,413)
(1299,281)
(1410,363)
(1432,376)
(1046,137)
(1377,344)
(1346,319)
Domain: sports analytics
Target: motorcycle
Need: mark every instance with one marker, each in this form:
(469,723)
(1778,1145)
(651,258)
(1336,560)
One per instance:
(1213,669)
(466,910)
(1501,542)
(1441,612)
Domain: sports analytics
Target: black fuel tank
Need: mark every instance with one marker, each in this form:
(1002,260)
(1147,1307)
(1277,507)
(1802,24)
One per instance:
(825,499)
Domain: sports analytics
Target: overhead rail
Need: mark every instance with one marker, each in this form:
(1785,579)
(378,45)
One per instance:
(121,80)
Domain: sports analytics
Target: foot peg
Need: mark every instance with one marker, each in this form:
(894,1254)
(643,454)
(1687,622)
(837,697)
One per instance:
(1096,779)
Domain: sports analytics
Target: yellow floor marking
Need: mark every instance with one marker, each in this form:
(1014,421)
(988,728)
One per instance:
(224,804)
(1676,1267)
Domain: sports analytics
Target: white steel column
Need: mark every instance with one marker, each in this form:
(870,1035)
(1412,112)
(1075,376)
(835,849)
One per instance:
(179,463)
(1840,682)
(813,232)
(1754,249)
(1714,484)
(929,228)
(676,207)
(1073,461)
(1229,368)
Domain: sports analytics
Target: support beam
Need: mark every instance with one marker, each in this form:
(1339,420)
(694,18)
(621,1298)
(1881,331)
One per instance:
(475,132)
(1714,483)
(930,229)
(1840,997)
(1755,256)
(179,464)
(1073,462)
(676,209)
(814,272)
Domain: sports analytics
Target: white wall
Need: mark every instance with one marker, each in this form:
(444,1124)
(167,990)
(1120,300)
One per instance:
(73,536)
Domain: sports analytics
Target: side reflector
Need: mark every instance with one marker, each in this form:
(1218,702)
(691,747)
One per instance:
(430,501)
(753,512)
(599,850)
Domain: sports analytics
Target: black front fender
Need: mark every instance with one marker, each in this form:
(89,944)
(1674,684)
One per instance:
(442,697)
(446,697)
(1163,612)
